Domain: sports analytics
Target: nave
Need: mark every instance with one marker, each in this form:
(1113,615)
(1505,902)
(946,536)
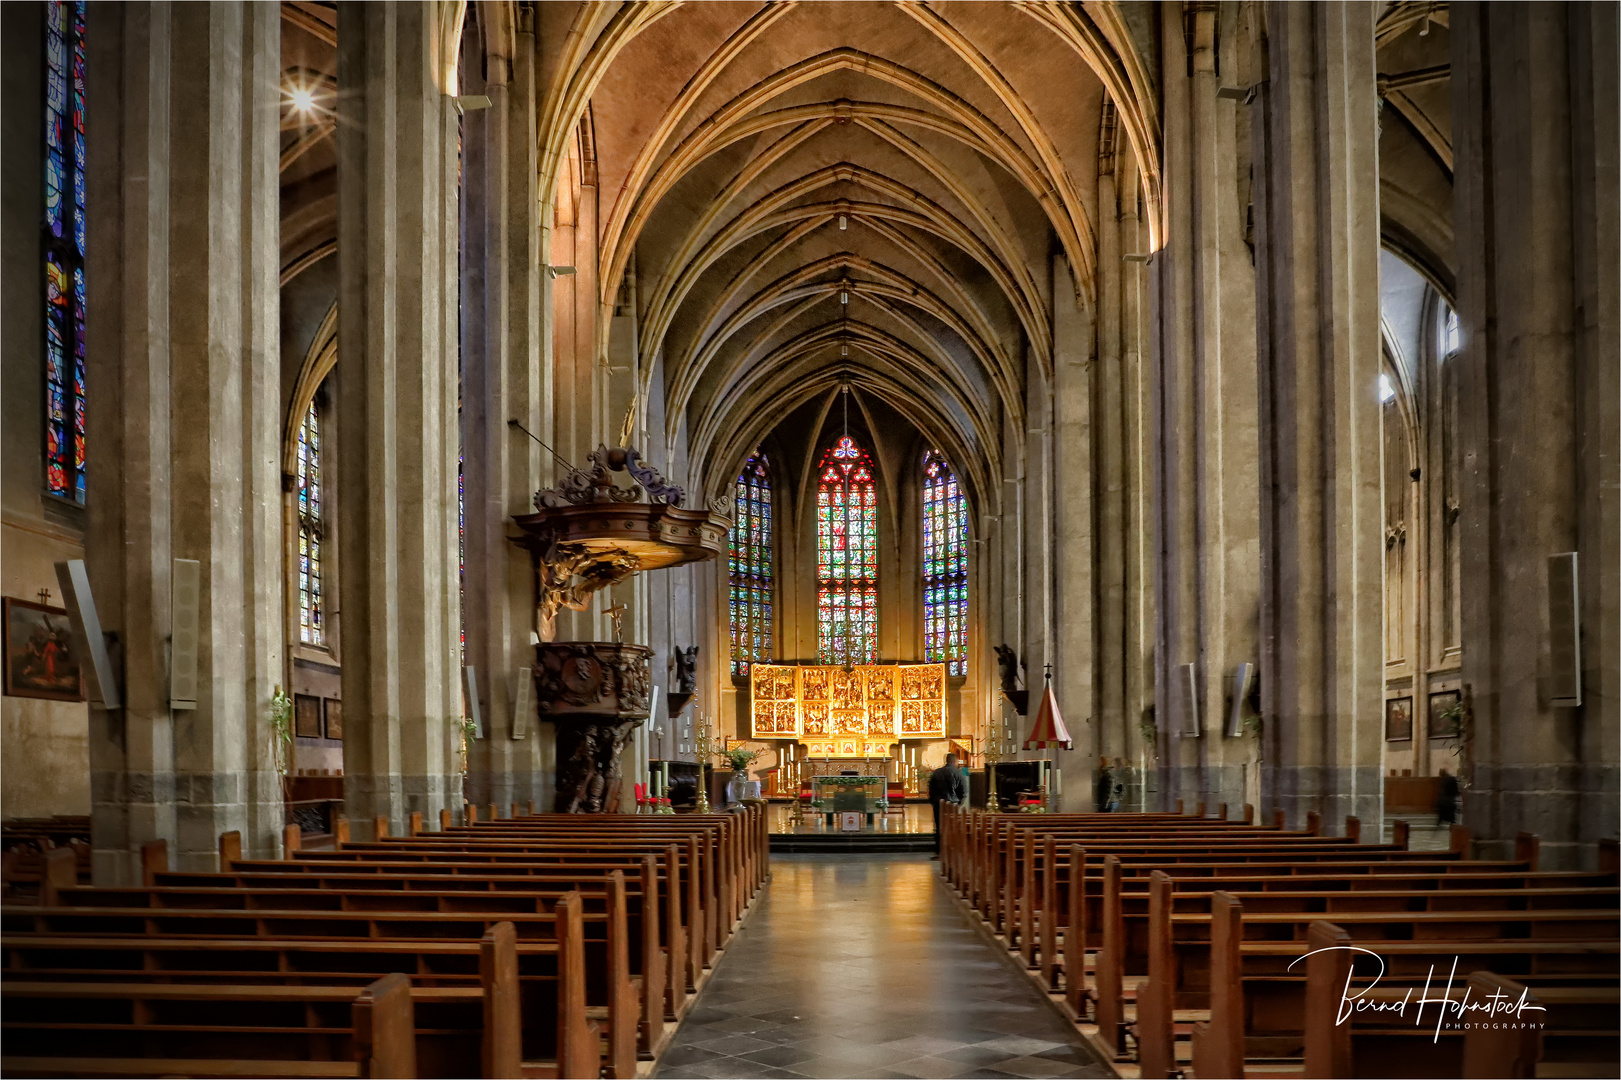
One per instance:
(864,966)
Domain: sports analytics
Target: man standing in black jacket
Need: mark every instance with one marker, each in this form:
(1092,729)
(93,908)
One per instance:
(946,784)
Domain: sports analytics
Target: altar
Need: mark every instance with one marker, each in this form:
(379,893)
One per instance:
(835,795)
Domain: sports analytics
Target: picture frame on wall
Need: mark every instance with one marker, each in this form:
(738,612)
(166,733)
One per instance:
(334,718)
(1441,725)
(1398,719)
(39,658)
(306,716)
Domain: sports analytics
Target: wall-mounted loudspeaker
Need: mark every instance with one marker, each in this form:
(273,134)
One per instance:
(1188,682)
(471,678)
(1564,632)
(1243,679)
(520,704)
(185,589)
(87,636)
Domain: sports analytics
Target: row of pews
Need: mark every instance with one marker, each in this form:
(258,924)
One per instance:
(24,843)
(1187,945)
(540,945)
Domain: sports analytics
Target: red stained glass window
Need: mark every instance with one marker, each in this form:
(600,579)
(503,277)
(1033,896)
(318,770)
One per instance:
(846,556)
(64,249)
(751,568)
(945,566)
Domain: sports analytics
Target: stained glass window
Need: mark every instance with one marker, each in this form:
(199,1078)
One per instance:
(846,556)
(751,566)
(310,608)
(64,249)
(1451,339)
(945,566)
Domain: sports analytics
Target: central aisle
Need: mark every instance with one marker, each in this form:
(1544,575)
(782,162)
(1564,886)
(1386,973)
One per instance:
(863,966)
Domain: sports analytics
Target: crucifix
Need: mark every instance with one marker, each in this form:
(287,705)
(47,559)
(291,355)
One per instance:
(44,596)
(617,614)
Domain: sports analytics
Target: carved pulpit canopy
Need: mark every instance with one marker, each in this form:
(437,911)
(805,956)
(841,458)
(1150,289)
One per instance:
(589,532)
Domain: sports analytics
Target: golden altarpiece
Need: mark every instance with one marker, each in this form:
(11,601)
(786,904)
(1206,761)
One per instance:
(856,712)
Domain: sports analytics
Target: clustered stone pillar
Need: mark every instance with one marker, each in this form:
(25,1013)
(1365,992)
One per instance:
(1205,413)
(503,378)
(1534,104)
(184,429)
(1317,268)
(398,434)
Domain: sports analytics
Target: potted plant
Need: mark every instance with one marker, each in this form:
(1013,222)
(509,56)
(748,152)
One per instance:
(740,760)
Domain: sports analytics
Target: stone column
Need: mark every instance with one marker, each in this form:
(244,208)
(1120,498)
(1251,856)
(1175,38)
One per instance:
(185,429)
(1207,458)
(397,346)
(1317,269)
(502,379)
(1069,572)
(1534,101)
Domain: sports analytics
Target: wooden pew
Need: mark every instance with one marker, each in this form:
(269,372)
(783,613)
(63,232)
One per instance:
(1189,953)
(600,898)
(697,868)
(551,957)
(118,1029)
(685,867)
(1493,1026)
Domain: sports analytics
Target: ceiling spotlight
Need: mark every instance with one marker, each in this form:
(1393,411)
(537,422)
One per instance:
(844,350)
(559,271)
(302,99)
(1139,257)
(844,297)
(844,222)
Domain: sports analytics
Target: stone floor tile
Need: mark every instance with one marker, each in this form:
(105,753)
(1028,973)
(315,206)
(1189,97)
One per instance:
(734,1044)
(927,1044)
(1037,1068)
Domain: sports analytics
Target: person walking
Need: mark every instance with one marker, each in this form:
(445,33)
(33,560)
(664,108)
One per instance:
(946,784)
(1106,798)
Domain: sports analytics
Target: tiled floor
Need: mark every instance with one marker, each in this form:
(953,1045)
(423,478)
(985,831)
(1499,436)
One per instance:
(863,966)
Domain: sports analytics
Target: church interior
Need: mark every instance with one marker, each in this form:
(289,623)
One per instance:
(816,539)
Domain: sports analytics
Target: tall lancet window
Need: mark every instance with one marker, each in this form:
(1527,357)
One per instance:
(751,566)
(945,566)
(846,556)
(311,612)
(64,249)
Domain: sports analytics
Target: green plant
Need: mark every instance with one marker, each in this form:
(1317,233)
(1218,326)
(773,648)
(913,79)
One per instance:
(465,732)
(1149,732)
(740,759)
(281,726)
(1254,725)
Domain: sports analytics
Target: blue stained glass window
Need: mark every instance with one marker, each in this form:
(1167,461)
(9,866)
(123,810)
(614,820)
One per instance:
(65,247)
(846,556)
(945,566)
(311,610)
(750,566)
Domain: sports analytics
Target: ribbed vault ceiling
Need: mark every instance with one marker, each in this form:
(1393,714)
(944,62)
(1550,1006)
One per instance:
(814,195)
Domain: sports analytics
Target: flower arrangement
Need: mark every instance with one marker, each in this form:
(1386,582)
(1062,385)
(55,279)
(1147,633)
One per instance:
(740,759)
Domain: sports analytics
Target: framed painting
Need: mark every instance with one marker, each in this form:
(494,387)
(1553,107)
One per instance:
(334,718)
(1398,719)
(306,716)
(40,659)
(1444,714)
